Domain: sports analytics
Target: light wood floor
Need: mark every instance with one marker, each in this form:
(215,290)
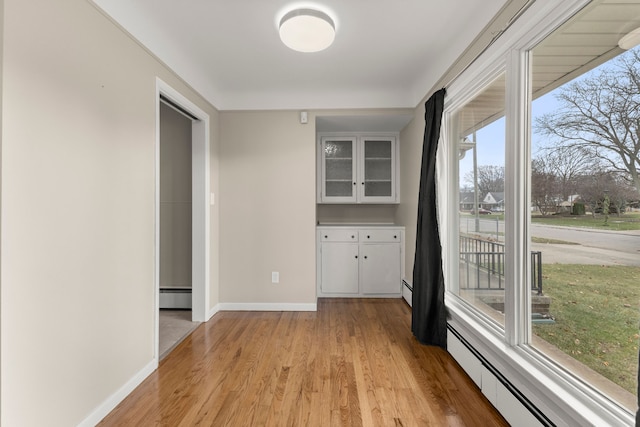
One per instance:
(353,362)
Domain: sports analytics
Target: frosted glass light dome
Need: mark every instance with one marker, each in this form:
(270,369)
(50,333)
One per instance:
(307,30)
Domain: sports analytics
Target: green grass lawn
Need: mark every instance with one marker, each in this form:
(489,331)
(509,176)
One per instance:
(554,241)
(597,314)
(626,221)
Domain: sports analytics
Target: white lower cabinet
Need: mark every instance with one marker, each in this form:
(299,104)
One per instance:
(380,268)
(339,268)
(360,261)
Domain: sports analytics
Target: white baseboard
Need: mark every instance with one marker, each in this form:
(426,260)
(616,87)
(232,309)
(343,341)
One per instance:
(266,306)
(112,401)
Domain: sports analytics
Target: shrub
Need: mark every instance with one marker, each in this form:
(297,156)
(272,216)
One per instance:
(578,209)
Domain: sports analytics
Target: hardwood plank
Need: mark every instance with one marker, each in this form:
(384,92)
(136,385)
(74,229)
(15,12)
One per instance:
(354,362)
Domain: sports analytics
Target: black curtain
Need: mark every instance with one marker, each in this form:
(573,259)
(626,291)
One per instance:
(429,318)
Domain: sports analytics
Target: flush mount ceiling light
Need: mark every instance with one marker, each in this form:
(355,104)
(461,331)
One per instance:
(307,30)
(631,40)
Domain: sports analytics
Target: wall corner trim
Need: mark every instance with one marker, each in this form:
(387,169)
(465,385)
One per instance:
(216,308)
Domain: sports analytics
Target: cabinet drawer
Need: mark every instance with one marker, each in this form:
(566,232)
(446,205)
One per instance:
(339,235)
(380,236)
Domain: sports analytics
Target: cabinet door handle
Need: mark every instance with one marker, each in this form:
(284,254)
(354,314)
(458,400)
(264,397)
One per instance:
(368,237)
(354,183)
(395,237)
(326,237)
(363,183)
(353,237)
(365,257)
(356,257)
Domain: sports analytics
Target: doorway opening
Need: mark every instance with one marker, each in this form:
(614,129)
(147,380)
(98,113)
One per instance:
(181,218)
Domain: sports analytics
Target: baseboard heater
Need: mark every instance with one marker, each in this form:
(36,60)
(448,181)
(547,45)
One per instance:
(524,401)
(175,298)
(407,292)
(527,405)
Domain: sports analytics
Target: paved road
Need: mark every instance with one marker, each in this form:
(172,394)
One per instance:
(600,247)
(621,241)
(604,247)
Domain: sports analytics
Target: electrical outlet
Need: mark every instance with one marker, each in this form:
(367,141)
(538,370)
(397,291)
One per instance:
(275,277)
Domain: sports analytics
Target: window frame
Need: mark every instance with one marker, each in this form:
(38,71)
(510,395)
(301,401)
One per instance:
(546,384)
(452,245)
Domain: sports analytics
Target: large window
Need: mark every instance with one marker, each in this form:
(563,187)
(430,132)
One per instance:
(584,204)
(544,253)
(479,132)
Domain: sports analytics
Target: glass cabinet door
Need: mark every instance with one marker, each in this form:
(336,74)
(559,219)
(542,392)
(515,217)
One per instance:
(339,172)
(378,169)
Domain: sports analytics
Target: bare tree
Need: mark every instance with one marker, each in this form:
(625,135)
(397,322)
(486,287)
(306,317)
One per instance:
(599,117)
(567,166)
(555,175)
(594,189)
(544,187)
(490,179)
(620,192)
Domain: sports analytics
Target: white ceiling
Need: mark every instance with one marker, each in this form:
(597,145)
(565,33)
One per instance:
(387,53)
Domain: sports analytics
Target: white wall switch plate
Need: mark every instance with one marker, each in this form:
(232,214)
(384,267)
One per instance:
(275,277)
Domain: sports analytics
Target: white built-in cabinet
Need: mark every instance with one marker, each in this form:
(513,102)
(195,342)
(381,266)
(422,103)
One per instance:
(360,261)
(358,168)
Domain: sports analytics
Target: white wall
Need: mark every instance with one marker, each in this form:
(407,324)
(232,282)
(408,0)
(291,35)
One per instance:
(78,188)
(410,164)
(268,209)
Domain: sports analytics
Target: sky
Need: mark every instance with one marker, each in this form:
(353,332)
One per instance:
(490,139)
